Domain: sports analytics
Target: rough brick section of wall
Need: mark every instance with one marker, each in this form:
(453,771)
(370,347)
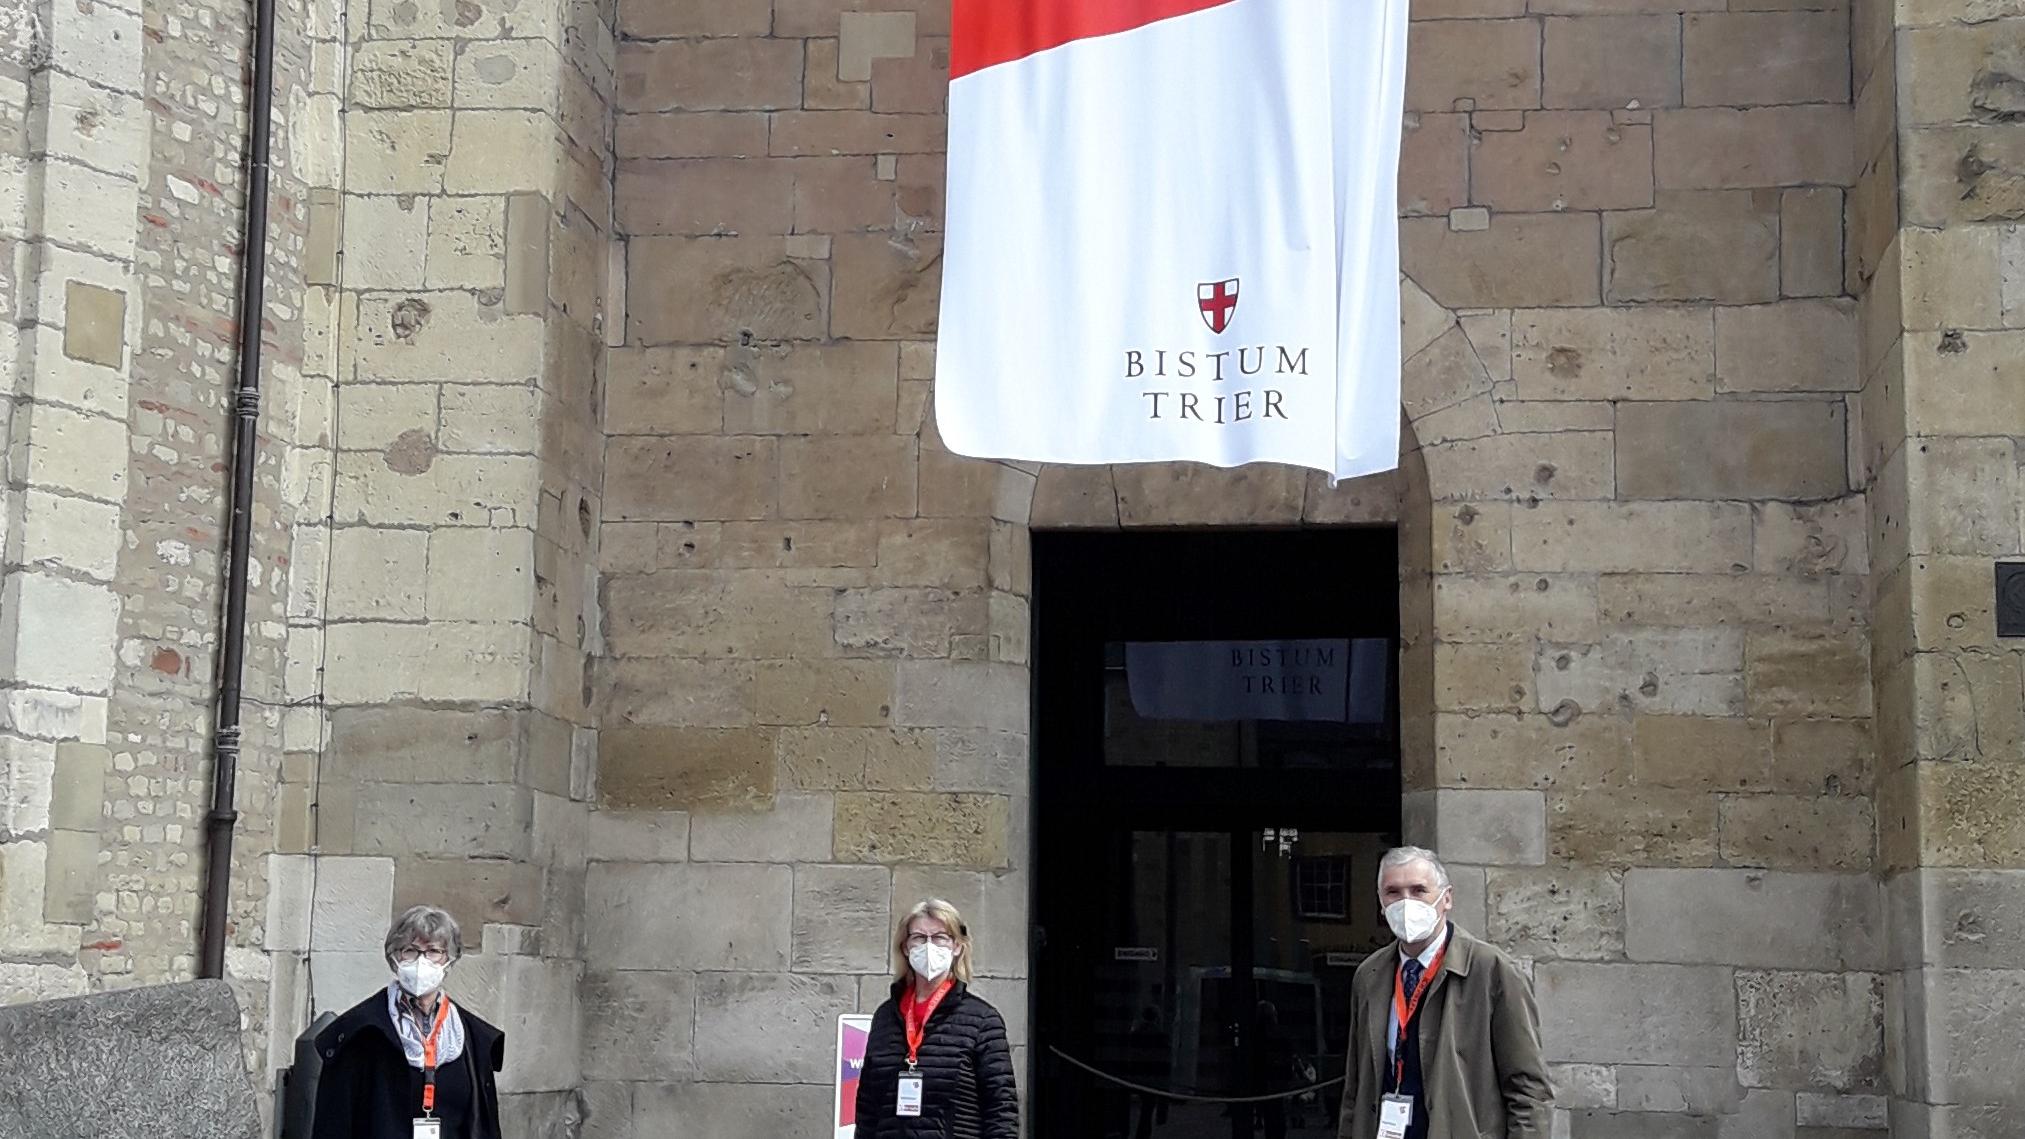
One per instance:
(127,263)
(1636,566)
(302,406)
(191,244)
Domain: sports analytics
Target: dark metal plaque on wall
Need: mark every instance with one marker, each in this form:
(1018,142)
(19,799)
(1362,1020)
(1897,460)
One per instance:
(2011,599)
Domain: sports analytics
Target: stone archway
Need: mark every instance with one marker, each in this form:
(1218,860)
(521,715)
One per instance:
(1447,389)
(1453,365)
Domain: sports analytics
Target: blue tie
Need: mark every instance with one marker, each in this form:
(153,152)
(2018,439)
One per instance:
(1409,976)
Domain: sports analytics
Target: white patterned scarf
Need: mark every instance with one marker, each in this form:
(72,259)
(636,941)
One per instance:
(413,1024)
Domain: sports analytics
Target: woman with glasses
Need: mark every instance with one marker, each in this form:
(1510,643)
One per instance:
(937,1062)
(410,1063)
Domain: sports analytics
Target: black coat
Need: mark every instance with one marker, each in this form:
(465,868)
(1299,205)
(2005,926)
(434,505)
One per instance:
(366,1090)
(966,1068)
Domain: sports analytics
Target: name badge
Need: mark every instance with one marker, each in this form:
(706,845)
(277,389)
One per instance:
(910,1096)
(1395,1115)
(428,1129)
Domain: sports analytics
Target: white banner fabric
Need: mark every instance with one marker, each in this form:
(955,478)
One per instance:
(1178,240)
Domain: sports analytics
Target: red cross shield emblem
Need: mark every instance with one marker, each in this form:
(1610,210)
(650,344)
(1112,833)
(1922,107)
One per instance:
(1217,300)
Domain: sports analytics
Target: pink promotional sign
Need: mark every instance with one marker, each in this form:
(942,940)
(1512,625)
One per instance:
(852,1032)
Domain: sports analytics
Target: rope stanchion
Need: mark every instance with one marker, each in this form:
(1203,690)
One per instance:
(1184,1097)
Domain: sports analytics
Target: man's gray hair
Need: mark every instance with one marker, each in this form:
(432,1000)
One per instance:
(428,924)
(1406,855)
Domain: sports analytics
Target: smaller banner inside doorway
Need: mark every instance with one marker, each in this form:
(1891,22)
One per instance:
(1338,681)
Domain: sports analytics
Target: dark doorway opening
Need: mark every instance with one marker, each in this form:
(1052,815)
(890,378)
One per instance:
(1216,773)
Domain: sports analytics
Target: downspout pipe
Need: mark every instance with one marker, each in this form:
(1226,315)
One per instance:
(224,815)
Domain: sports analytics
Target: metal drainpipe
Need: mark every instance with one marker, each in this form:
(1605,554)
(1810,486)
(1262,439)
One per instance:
(223,815)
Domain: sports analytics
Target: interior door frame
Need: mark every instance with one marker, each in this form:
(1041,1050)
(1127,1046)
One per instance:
(1091,588)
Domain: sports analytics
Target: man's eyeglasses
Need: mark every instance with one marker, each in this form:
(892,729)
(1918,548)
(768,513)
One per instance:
(917,940)
(411,955)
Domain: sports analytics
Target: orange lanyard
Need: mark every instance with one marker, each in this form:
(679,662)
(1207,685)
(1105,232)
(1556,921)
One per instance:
(1405,1010)
(429,1056)
(916,1018)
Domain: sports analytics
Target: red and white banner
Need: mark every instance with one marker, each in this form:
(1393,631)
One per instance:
(1172,232)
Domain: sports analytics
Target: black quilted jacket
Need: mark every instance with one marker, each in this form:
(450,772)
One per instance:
(966,1068)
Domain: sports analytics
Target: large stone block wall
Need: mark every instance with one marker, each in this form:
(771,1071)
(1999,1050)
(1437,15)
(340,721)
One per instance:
(813,697)
(1942,262)
(458,268)
(1635,563)
(1637,691)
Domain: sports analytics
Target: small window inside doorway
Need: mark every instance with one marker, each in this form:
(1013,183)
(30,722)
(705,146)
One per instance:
(1322,888)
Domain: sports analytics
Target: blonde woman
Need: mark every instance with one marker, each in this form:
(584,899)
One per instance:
(937,1062)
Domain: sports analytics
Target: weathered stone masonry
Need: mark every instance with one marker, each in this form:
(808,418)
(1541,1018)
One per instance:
(123,231)
(1637,571)
(458,276)
(1942,264)
(615,589)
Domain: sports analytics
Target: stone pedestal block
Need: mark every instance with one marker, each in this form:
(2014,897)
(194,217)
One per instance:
(162,1062)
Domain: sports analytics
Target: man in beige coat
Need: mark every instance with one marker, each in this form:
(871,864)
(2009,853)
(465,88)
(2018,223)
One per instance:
(1470,1066)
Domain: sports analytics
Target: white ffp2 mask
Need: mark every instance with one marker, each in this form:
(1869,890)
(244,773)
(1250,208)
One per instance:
(931,960)
(1412,919)
(421,976)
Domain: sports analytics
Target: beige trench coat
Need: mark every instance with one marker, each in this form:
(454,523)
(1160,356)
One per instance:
(1481,1072)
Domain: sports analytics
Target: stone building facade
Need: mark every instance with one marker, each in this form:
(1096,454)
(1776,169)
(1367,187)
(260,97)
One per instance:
(613,588)
(121,217)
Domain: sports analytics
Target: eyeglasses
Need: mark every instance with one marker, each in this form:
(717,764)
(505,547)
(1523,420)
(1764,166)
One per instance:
(411,955)
(917,940)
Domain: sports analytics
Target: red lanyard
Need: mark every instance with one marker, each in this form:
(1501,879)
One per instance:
(429,1055)
(1405,1010)
(915,1015)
